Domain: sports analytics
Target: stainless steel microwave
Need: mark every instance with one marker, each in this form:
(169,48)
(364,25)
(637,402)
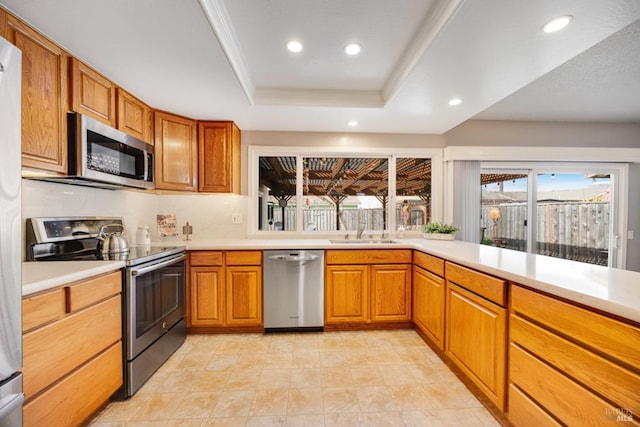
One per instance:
(101,154)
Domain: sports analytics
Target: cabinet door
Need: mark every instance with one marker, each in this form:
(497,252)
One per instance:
(390,293)
(219,157)
(92,93)
(428,304)
(176,153)
(244,296)
(44,98)
(206,296)
(476,341)
(346,294)
(134,116)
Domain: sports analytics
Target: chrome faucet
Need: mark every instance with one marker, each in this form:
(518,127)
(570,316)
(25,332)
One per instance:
(360,231)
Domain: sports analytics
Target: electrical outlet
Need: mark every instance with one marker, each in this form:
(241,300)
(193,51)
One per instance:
(630,235)
(236,219)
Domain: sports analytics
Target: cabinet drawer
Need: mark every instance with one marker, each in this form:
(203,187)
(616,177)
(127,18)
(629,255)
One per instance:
(486,286)
(368,256)
(607,379)
(430,263)
(611,337)
(524,412)
(54,350)
(199,258)
(243,257)
(93,290)
(78,396)
(568,401)
(44,307)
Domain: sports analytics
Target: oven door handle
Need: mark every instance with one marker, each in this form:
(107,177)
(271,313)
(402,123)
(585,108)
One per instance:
(142,270)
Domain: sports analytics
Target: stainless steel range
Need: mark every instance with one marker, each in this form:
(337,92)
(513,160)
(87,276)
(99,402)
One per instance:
(154,287)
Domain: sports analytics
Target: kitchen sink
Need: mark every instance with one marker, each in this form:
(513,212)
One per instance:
(364,241)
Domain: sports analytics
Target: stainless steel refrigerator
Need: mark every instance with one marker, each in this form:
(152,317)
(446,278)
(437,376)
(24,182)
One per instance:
(11,396)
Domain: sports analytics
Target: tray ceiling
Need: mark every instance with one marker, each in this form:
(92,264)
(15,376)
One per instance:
(226,59)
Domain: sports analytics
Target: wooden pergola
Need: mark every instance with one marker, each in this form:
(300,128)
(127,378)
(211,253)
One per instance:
(339,177)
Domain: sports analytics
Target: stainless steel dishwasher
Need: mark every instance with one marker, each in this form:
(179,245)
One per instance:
(293,290)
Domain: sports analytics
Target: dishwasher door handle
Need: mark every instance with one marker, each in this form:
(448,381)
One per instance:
(293,258)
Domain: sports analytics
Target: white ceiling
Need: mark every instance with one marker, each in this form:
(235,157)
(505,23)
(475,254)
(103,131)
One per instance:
(226,59)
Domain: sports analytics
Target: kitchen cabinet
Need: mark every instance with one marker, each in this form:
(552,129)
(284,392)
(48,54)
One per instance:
(44,98)
(569,365)
(92,93)
(346,294)
(367,288)
(225,291)
(218,157)
(134,117)
(72,350)
(475,332)
(176,152)
(429,297)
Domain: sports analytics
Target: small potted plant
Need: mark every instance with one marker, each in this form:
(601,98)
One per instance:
(439,231)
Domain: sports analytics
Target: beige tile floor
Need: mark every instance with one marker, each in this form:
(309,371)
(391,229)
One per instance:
(363,378)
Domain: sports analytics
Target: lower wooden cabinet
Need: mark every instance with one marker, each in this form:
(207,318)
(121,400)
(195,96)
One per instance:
(476,330)
(570,366)
(429,297)
(346,294)
(367,288)
(78,396)
(72,350)
(225,291)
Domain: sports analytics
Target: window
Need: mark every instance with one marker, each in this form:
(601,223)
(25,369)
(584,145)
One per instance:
(315,191)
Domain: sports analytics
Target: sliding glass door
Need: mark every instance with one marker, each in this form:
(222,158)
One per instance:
(504,208)
(566,211)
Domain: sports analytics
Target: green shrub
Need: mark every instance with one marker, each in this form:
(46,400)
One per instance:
(439,228)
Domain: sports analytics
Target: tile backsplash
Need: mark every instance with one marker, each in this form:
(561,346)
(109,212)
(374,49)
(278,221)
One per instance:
(209,214)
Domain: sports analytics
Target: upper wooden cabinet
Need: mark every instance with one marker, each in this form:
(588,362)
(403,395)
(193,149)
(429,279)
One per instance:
(92,93)
(134,116)
(219,157)
(44,97)
(176,161)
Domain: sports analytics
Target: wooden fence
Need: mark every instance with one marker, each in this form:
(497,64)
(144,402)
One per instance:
(571,230)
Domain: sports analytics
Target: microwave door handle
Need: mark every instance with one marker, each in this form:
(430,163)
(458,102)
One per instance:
(143,270)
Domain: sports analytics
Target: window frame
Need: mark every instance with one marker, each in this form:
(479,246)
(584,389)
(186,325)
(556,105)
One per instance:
(255,152)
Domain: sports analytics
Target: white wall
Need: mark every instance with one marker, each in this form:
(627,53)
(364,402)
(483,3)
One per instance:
(633,245)
(210,215)
(545,134)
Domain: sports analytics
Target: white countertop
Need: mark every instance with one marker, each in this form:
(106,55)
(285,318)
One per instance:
(608,289)
(611,290)
(39,276)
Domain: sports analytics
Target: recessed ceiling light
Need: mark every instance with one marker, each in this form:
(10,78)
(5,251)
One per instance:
(455,101)
(353,123)
(294,46)
(352,49)
(557,24)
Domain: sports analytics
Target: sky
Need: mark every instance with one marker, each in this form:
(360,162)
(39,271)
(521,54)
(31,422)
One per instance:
(547,182)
